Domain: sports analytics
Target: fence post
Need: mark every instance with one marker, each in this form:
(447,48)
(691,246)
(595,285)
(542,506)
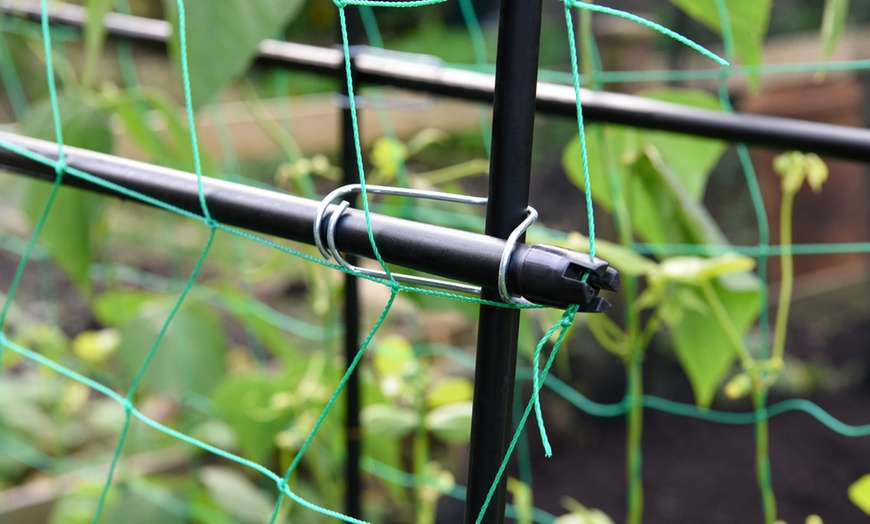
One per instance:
(352,427)
(498,328)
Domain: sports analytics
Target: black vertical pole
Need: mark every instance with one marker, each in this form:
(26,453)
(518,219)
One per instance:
(512,131)
(353,430)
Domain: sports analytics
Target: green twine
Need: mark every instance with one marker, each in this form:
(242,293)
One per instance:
(59,169)
(764,474)
(350,370)
(562,325)
(647,23)
(188,99)
(131,409)
(356,140)
(144,367)
(584,156)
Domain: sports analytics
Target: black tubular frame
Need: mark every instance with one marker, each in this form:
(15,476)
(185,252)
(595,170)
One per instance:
(463,256)
(513,124)
(352,424)
(375,67)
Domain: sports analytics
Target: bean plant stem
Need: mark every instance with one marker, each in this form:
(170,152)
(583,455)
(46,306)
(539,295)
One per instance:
(636,348)
(727,324)
(786,279)
(762,449)
(635,431)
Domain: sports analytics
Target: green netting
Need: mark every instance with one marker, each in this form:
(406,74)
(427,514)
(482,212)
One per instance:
(188,284)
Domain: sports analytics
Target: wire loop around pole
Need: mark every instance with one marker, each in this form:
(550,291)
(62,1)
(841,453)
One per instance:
(330,249)
(510,243)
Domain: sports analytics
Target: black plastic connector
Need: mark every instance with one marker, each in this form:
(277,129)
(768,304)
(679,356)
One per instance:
(577,278)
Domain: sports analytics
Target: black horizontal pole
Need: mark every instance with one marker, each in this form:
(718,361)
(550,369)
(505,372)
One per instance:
(373,66)
(544,274)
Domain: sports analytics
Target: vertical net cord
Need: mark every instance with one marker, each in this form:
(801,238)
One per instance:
(575,75)
(192,278)
(634,388)
(304,447)
(59,168)
(478,43)
(356,139)
(762,456)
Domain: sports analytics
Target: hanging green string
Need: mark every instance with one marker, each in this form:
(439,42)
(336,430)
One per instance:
(562,326)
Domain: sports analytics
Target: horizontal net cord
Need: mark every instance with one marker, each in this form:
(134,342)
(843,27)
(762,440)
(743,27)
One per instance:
(618,409)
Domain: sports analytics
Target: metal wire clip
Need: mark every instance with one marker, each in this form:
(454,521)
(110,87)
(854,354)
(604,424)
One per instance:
(331,251)
(581,277)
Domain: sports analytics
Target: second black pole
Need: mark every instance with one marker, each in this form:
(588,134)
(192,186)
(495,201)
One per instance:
(353,428)
(498,328)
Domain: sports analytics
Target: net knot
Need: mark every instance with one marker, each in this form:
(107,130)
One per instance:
(211,223)
(60,167)
(567,319)
(339,3)
(282,485)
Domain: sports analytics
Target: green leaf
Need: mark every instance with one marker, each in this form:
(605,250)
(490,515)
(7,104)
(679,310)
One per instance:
(95,36)
(599,159)
(451,423)
(394,356)
(249,313)
(448,391)
(115,308)
(859,493)
(388,420)
(236,494)
(522,500)
(388,154)
(148,501)
(96,346)
(71,225)
(794,167)
(691,158)
(749,19)
(700,340)
(660,176)
(189,358)
(221,42)
(580,514)
(695,270)
(662,211)
(246,404)
(833,22)
(139,110)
